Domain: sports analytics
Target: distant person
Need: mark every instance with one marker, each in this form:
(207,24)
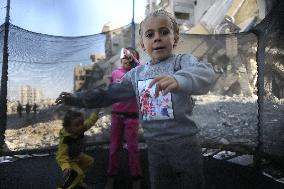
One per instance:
(35,108)
(70,157)
(28,109)
(124,119)
(19,109)
(162,88)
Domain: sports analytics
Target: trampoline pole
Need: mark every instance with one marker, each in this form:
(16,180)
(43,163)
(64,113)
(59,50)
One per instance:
(133,25)
(260,58)
(4,80)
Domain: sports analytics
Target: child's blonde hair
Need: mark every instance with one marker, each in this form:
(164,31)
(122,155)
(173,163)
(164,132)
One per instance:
(161,12)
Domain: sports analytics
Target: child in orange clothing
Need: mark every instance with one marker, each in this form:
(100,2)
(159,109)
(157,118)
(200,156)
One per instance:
(70,157)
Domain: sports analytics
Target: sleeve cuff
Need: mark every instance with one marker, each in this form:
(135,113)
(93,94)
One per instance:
(65,166)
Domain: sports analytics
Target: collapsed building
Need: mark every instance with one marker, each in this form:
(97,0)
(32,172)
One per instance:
(232,56)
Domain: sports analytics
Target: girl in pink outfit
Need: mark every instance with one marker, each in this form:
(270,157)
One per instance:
(125,117)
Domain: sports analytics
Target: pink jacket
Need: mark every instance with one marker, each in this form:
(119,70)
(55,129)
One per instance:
(125,106)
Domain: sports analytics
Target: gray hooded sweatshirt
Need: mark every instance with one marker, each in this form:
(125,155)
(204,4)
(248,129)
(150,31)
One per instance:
(168,116)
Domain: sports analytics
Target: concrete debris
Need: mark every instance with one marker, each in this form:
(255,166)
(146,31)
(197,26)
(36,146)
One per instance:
(215,14)
(230,16)
(224,141)
(229,121)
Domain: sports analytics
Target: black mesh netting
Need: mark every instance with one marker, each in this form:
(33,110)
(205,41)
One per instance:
(47,63)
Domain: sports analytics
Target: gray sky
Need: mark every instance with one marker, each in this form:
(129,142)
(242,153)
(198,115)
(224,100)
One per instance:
(71,17)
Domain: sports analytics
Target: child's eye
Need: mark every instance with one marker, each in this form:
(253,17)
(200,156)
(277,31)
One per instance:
(149,35)
(165,32)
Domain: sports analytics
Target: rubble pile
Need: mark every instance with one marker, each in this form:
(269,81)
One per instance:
(34,136)
(46,134)
(227,120)
(223,121)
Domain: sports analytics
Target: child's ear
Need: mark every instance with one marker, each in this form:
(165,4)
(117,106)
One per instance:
(142,45)
(176,41)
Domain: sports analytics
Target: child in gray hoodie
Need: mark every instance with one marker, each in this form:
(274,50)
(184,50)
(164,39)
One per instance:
(162,88)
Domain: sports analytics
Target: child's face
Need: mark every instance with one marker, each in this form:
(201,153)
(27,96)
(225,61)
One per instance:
(77,126)
(158,38)
(126,63)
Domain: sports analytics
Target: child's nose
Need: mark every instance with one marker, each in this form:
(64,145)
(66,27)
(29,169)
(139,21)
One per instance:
(157,37)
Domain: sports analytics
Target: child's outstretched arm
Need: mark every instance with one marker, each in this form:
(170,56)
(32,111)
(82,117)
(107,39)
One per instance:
(97,98)
(90,121)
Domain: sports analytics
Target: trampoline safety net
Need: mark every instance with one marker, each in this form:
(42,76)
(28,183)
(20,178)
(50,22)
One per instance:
(244,106)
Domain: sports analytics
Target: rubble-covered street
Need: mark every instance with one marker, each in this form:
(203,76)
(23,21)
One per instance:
(223,120)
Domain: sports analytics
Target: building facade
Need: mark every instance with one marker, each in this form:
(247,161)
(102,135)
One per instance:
(81,73)
(28,94)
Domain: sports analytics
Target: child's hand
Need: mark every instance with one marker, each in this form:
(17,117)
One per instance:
(165,84)
(63,97)
(66,172)
(126,54)
(129,56)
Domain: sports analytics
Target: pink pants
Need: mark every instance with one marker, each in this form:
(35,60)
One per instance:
(131,126)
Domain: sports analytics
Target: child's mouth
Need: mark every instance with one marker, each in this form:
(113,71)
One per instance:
(158,48)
